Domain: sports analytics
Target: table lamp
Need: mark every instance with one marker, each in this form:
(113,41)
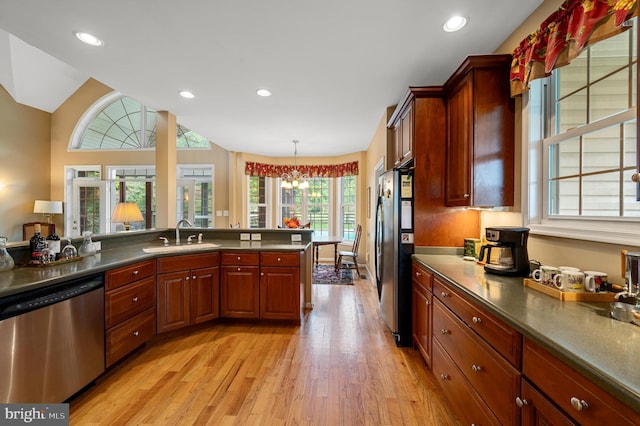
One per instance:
(47,208)
(125,213)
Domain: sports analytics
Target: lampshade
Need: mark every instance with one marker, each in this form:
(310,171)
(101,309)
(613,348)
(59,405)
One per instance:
(295,179)
(125,213)
(47,207)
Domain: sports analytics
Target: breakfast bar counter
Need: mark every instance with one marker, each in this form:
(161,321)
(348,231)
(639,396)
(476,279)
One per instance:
(581,334)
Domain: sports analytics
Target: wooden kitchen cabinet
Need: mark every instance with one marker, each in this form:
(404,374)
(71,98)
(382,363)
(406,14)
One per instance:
(130,303)
(538,410)
(240,285)
(281,290)
(480,137)
(484,349)
(403,139)
(422,300)
(188,290)
(577,396)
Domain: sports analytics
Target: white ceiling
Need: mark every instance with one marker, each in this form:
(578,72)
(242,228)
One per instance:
(333,65)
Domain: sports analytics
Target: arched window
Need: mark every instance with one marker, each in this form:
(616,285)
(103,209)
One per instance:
(118,122)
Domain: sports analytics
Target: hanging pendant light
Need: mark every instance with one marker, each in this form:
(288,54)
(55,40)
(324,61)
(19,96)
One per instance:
(295,179)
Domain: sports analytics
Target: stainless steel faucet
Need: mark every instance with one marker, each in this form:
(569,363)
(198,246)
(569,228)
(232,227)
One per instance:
(180,222)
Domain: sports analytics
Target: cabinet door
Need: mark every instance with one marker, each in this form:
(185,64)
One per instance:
(422,300)
(397,144)
(280,293)
(406,137)
(205,294)
(173,301)
(537,410)
(459,144)
(240,292)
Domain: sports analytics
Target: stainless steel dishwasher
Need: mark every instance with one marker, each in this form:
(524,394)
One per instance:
(51,341)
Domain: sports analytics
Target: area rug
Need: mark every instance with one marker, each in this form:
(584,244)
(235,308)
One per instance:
(326,274)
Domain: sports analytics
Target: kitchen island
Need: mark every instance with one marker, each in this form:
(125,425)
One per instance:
(581,335)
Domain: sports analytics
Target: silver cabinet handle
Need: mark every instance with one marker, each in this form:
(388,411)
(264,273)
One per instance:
(135,299)
(262,274)
(476,320)
(427,302)
(476,368)
(444,331)
(193,277)
(136,333)
(239,269)
(136,272)
(466,195)
(239,258)
(521,403)
(444,377)
(418,274)
(445,294)
(579,404)
(279,260)
(188,278)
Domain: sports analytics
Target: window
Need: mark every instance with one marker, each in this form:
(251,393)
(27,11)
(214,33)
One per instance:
(311,205)
(347,199)
(583,131)
(119,122)
(258,196)
(194,194)
(136,185)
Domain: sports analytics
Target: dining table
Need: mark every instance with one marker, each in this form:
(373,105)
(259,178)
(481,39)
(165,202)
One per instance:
(322,240)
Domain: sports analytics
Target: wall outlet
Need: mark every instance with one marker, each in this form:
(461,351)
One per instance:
(296,237)
(256,237)
(97,245)
(245,237)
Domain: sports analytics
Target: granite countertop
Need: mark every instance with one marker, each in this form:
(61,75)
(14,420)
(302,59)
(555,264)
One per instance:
(22,279)
(582,334)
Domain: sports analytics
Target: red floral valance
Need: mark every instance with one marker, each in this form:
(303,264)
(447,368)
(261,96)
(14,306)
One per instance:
(564,34)
(330,170)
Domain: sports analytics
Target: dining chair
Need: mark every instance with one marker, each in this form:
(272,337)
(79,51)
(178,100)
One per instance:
(353,253)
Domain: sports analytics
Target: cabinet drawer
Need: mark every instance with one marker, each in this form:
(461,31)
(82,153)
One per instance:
(567,388)
(127,301)
(241,258)
(125,337)
(188,261)
(506,340)
(422,276)
(459,392)
(128,274)
(495,380)
(279,259)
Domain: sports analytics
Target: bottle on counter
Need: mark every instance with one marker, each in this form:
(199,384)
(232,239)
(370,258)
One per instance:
(53,241)
(6,261)
(37,244)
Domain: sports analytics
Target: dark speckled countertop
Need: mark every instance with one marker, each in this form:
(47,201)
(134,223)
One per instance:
(22,279)
(582,334)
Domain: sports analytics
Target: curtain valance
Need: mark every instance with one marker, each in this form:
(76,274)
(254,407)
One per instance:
(330,170)
(564,34)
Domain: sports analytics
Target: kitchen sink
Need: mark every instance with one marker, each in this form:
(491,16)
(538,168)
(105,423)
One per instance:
(180,248)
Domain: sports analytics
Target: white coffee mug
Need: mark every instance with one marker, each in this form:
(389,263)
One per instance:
(545,274)
(569,280)
(595,281)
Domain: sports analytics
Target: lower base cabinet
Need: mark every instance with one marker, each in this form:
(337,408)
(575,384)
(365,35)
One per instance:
(188,290)
(240,285)
(537,410)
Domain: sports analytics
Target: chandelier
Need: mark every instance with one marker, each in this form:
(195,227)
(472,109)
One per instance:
(295,179)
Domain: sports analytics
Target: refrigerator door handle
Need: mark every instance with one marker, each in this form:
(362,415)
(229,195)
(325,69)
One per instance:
(378,244)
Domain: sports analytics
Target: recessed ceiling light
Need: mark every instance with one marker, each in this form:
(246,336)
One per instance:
(89,39)
(263,92)
(454,23)
(187,94)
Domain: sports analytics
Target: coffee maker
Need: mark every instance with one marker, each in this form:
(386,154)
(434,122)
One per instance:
(511,244)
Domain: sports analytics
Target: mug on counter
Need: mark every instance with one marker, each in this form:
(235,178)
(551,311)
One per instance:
(595,281)
(569,280)
(545,274)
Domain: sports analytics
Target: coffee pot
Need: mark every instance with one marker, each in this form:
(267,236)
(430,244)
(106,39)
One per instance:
(507,252)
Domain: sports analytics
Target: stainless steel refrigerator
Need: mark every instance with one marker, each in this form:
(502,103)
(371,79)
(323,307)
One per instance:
(394,247)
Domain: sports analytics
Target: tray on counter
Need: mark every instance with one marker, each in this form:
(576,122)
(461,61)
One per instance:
(33,264)
(570,296)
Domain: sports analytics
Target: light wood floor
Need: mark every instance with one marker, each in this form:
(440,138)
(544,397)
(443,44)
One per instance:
(340,367)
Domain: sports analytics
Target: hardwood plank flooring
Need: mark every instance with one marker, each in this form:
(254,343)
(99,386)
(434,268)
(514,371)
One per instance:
(340,367)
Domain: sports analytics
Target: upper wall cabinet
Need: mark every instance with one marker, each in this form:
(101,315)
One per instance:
(401,123)
(480,136)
